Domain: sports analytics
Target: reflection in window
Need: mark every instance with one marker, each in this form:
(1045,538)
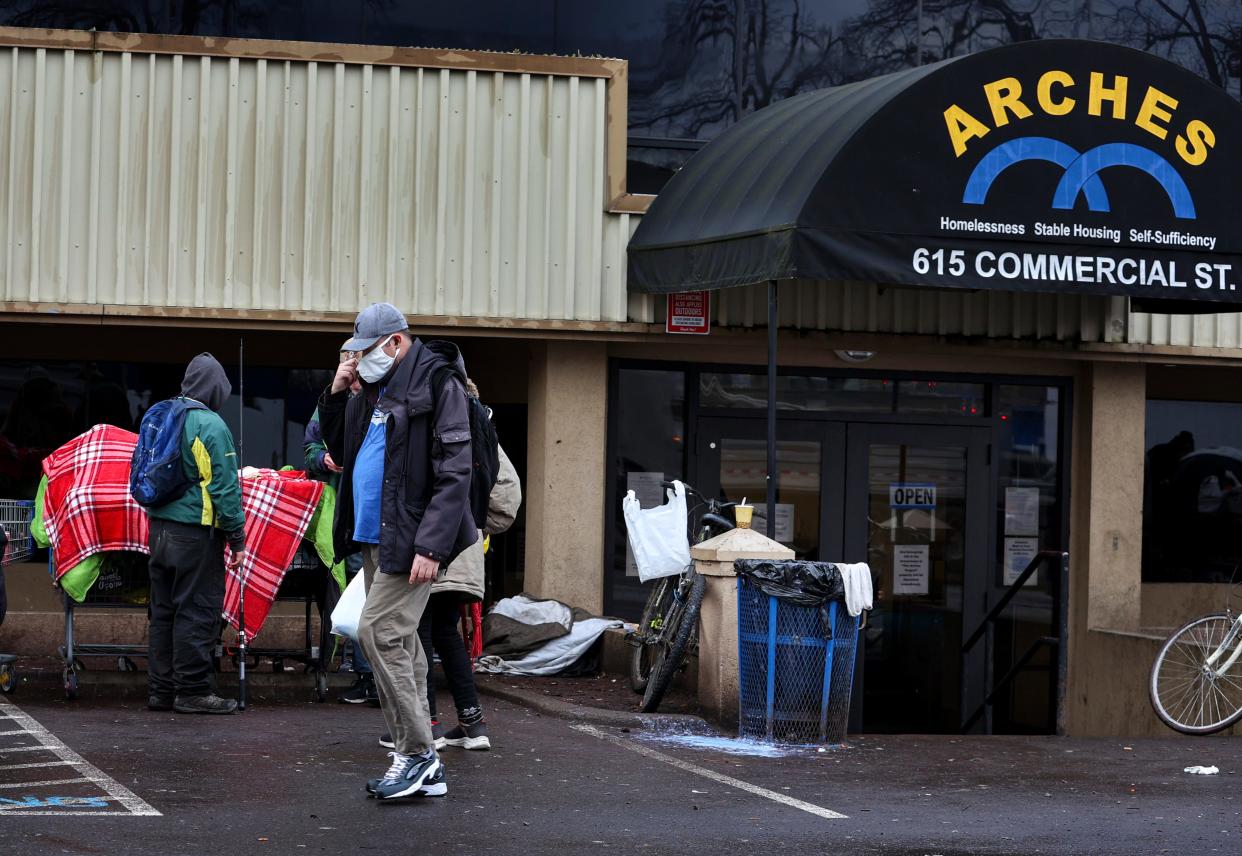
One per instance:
(1192,492)
(933,396)
(1027,519)
(649,446)
(794,392)
(744,476)
(1028,467)
(45,404)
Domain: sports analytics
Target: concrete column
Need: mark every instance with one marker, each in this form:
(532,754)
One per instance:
(718,653)
(1118,419)
(566,468)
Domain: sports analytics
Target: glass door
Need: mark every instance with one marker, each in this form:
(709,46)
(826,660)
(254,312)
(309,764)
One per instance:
(917,499)
(732,465)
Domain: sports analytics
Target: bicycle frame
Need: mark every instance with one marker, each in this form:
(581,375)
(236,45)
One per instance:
(1235,633)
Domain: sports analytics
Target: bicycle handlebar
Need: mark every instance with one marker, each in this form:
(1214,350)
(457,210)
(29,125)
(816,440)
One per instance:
(668,485)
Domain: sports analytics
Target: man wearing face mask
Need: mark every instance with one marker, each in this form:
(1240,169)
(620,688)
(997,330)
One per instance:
(403,445)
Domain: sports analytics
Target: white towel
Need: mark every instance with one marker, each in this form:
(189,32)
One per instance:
(857,580)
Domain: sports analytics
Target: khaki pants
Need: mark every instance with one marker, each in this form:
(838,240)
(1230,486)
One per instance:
(388,632)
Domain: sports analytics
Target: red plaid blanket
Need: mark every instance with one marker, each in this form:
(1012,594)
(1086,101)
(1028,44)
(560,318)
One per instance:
(87,509)
(278,507)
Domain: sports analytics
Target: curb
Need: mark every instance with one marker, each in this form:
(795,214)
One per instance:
(630,720)
(298,687)
(42,682)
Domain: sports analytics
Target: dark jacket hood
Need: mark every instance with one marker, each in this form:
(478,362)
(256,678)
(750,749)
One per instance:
(448,352)
(206,382)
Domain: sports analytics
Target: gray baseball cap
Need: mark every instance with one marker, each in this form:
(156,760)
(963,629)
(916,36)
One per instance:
(373,323)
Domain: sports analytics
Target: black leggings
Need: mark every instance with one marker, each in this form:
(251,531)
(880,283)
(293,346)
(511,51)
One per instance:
(438,630)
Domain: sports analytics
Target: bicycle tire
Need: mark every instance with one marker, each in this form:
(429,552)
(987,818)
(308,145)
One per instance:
(1178,679)
(687,626)
(643,654)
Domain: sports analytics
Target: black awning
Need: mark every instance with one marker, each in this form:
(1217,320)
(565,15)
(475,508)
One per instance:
(1052,166)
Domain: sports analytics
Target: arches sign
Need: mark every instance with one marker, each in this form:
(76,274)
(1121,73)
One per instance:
(1064,166)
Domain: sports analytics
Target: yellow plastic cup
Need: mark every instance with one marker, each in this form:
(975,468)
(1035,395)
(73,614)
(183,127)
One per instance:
(743,514)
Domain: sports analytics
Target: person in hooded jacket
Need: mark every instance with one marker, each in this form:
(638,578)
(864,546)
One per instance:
(187,565)
(403,445)
(464,584)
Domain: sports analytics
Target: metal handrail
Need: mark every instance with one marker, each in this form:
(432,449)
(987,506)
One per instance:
(986,630)
(1011,593)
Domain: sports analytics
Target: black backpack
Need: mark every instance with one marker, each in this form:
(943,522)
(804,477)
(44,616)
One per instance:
(484,448)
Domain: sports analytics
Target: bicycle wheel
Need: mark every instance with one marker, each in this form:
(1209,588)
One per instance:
(681,626)
(1185,691)
(658,603)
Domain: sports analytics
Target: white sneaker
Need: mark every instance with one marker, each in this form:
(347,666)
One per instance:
(469,737)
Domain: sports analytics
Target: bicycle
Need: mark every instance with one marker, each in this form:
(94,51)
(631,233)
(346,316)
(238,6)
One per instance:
(1194,687)
(668,629)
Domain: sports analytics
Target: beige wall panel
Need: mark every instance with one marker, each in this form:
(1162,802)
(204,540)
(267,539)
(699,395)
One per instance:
(185,181)
(1215,330)
(1118,410)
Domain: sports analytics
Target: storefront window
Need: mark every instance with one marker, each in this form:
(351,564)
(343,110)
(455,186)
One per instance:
(796,392)
(648,447)
(1192,492)
(1028,477)
(1028,521)
(948,399)
(44,404)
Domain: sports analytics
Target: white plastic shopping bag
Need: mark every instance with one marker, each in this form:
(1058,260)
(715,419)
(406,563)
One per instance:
(658,535)
(348,611)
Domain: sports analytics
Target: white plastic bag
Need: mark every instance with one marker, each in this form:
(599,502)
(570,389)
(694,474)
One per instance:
(348,611)
(658,535)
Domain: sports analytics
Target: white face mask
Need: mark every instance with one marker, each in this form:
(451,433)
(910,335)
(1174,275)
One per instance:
(375,363)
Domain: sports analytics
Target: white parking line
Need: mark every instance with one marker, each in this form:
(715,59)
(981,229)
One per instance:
(54,813)
(6,750)
(133,804)
(11,733)
(45,783)
(61,763)
(783,799)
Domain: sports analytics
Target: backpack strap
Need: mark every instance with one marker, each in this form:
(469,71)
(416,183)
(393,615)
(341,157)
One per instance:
(439,377)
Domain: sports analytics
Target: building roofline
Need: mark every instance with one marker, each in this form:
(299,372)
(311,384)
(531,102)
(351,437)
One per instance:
(282,49)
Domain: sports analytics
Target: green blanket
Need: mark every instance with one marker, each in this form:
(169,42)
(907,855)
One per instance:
(78,580)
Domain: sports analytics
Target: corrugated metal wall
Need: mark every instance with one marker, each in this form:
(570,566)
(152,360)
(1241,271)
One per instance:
(860,307)
(181,181)
(1223,330)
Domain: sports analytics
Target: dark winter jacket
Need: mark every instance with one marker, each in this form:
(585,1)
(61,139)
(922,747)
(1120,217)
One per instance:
(425,504)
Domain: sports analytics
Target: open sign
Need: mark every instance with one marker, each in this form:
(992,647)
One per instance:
(912,496)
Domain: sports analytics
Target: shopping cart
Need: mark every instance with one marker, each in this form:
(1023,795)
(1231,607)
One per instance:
(15,546)
(123,583)
(310,582)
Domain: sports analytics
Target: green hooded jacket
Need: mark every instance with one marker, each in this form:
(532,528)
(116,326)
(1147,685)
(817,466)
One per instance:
(209,457)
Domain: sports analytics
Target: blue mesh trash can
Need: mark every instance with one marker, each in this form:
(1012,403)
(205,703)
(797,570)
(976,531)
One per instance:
(797,667)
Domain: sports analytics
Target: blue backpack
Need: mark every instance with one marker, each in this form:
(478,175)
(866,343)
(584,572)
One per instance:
(156,474)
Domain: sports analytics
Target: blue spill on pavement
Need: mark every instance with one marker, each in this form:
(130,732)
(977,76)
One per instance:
(728,745)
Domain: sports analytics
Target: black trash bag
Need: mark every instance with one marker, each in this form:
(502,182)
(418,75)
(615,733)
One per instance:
(797,582)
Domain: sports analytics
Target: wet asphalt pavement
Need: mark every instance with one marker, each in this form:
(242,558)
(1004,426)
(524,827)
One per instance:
(289,779)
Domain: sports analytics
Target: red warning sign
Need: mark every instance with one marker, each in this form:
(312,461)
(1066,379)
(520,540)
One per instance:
(689,312)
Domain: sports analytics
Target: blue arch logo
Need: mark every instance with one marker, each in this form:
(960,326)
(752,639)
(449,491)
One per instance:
(1081,172)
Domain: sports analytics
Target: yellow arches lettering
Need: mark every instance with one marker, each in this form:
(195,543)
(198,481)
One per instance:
(1106,97)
